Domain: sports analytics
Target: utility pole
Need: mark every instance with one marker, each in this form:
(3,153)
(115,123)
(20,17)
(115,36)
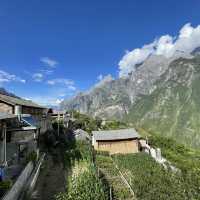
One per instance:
(58,124)
(4,144)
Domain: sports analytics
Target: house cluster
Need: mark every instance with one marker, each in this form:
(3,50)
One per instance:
(22,122)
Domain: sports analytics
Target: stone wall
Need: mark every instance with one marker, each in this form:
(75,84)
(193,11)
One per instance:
(15,192)
(17,136)
(6,108)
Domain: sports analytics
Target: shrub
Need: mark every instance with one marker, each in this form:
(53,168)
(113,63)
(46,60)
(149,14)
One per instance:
(5,186)
(32,156)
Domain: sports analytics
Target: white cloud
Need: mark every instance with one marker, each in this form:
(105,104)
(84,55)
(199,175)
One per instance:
(100,77)
(130,59)
(49,61)
(63,81)
(38,77)
(6,77)
(187,40)
(46,100)
(71,87)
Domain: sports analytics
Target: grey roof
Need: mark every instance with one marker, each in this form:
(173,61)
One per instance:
(115,134)
(18,101)
(6,116)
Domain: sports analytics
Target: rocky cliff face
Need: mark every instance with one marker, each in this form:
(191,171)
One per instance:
(173,108)
(114,98)
(162,96)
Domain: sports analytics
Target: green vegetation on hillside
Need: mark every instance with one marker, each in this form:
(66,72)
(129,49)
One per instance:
(172,109)
(83,181)
(187,160)
(90,124)
(150,181)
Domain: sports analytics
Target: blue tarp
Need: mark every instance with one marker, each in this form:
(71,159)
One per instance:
(2,174)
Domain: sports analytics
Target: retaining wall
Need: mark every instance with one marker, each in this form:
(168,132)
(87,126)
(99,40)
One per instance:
(15,191)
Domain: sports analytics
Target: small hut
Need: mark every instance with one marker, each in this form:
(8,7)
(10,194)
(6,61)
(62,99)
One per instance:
(116,141)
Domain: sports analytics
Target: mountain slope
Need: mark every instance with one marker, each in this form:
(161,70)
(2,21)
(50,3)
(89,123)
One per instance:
(114,98)
(173,108)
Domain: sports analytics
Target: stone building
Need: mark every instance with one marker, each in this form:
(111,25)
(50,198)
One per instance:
(116,141)
(14,105)
(27,110)
(4,120)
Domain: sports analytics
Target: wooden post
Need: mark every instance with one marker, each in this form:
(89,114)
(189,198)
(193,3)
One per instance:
(4,136)
(110,193)
(58,124)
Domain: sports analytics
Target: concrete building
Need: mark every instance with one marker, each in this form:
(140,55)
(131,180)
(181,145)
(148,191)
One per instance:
(16,137)
(4,119)
(116,141)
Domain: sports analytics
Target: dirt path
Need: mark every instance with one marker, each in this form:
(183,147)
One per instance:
(51,179)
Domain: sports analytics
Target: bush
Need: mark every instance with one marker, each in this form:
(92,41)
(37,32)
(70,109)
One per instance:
(32,156)
(84,183)
(86,186)
(5,186)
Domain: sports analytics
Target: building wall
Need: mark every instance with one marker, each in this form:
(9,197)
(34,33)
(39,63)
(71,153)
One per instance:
(121,146)
(33,111)
(17,136)
(6,108)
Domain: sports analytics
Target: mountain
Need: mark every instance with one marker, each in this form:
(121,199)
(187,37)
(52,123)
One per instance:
(173,108)
(114,98)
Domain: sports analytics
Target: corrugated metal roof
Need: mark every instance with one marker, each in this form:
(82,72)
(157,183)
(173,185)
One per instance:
(18,101)
(115,134)
(6,116)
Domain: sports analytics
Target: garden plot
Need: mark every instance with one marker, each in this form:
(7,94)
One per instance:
(110,173)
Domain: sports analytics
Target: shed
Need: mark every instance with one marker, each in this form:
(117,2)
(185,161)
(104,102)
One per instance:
(116,141)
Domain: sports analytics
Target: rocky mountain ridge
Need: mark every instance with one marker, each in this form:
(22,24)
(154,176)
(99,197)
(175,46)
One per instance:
(114,98)
(173,108)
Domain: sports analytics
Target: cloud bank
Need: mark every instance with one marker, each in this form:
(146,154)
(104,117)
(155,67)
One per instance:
(187,40)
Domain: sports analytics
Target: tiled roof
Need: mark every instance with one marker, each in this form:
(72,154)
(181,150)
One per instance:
(115,134)
(18,101)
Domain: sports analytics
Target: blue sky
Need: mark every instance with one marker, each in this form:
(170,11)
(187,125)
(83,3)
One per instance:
(50,50)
